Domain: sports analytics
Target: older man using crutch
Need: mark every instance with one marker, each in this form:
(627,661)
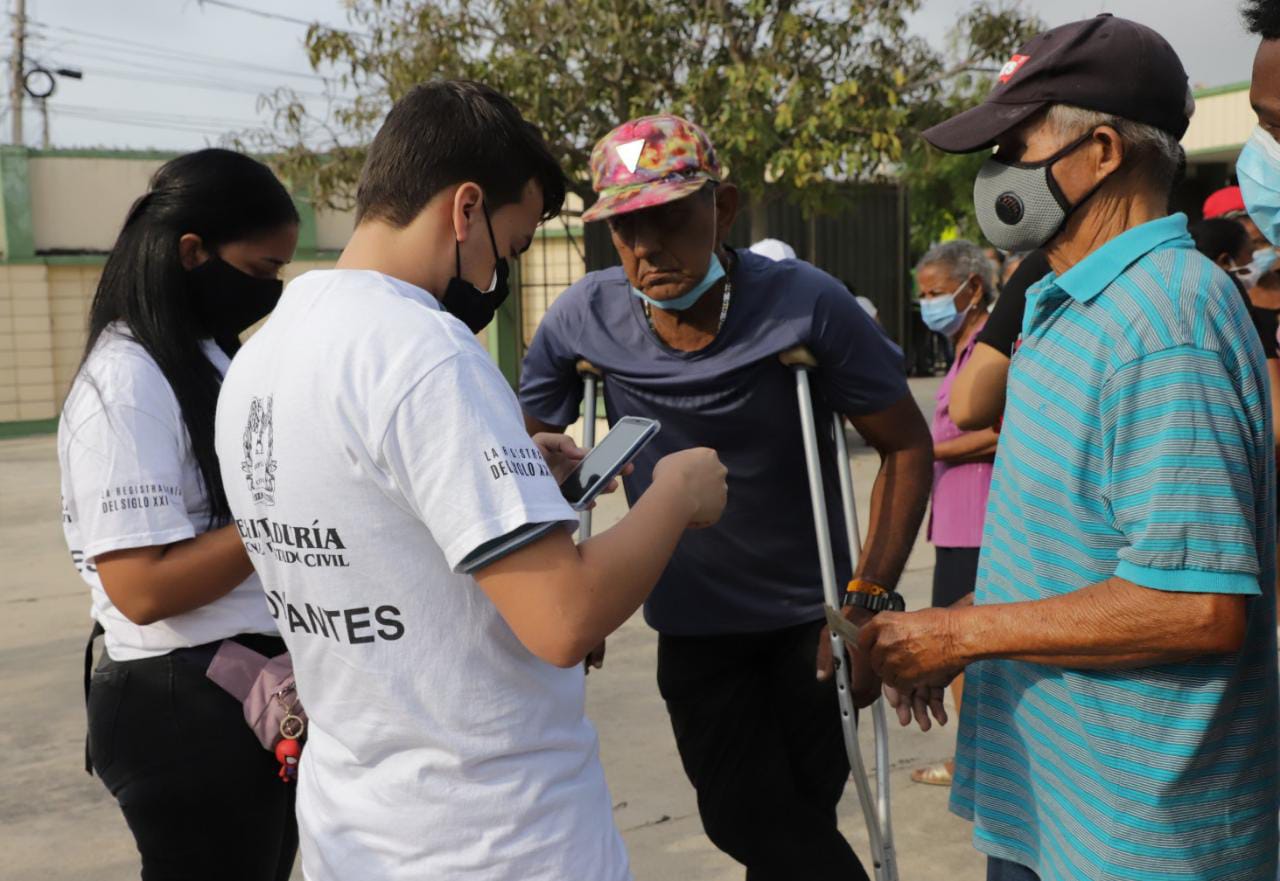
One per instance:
(689,332)
(1120,707)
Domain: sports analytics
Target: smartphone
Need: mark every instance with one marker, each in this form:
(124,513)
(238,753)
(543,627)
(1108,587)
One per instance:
(606,460)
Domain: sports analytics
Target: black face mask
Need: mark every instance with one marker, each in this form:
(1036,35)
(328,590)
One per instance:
(474,307)
(228,301)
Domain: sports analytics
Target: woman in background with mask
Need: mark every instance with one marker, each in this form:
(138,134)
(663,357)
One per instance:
(956,280)
(145,514)
(1226,242)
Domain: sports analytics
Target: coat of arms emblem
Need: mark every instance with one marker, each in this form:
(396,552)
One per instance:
(258,466)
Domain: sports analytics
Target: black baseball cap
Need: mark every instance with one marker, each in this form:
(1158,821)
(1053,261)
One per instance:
(1108,64)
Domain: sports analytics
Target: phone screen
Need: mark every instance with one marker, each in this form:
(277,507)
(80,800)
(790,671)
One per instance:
(606,459)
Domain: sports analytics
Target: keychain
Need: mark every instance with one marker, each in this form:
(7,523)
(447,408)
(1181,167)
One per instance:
(288,750)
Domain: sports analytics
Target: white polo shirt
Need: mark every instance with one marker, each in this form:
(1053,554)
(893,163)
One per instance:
(368,444)
(129,481)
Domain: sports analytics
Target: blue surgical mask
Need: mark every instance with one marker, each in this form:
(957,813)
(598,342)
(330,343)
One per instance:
(939,313)
(715,272)
(1264,260)
(1258,170)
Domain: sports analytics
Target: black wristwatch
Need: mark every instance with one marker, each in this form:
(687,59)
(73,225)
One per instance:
(873,597)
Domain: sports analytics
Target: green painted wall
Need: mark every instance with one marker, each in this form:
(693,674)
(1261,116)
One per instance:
(306,224)
(15,193)
(30,428)
(506,345)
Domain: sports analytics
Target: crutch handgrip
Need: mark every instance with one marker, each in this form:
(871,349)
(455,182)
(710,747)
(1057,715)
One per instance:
(799,356)
(586,368)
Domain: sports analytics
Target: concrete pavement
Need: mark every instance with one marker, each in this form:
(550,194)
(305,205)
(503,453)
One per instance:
(58,824)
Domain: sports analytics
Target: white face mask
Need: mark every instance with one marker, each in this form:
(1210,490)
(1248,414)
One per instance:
(1264,259)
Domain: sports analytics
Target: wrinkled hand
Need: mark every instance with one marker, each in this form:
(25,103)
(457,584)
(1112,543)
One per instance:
(911,650)
(921,702)
(563,454)
(864,685)
(595,658)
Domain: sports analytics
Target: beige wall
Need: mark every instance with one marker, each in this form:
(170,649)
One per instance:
(79,204)
(71,291)
(64,220)
(333,228)
(1222,123)
(43,317)
(26,345)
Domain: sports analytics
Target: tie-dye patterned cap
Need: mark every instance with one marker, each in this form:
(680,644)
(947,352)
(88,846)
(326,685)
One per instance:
(649,161)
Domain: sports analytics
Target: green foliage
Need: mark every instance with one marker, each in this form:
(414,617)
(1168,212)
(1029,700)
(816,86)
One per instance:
(798,95)
(941,185)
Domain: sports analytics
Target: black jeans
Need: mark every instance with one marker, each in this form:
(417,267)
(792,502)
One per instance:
(760,740)
(1003,870)
(955,574)
(197,789)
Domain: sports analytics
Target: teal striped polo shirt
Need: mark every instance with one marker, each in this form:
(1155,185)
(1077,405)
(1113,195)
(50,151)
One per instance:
(1136,443)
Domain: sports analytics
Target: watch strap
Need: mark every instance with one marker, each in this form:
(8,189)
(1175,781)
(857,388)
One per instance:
(873,597)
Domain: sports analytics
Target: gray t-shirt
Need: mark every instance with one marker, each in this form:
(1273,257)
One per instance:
(757,569)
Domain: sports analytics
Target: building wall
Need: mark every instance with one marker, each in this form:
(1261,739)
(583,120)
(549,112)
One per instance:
(70,291)
(1222,123)
(44,312)
(333,228)
(26,345)
(78,203)
(62,211)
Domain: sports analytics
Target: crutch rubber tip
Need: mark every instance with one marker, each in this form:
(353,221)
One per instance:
(799,356)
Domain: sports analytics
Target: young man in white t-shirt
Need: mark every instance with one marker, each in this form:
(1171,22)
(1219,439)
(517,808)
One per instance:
(368,445)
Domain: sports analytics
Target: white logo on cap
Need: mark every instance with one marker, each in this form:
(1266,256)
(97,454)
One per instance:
(1012,66)
(630,152)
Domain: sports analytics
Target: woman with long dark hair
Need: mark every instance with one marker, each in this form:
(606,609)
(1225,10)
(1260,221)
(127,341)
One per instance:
(146,518)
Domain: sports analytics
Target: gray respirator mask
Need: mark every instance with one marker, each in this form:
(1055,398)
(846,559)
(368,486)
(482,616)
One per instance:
(1019,204)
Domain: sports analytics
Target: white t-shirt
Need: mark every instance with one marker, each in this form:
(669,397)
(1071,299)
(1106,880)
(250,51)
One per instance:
(129,481)
(368,444)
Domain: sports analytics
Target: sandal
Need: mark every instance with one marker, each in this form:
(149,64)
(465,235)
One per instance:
(933,775)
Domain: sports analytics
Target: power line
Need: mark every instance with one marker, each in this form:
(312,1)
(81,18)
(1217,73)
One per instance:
(184,125)
(216,122)
(138,61)
(136,123)
(142,122)
(275,16)
(119,44)
(161,76)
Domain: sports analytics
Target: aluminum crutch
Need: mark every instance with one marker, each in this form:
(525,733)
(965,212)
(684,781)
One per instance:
(875,810)
(591,377)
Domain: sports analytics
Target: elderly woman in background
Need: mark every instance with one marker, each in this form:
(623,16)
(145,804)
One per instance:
(956,281)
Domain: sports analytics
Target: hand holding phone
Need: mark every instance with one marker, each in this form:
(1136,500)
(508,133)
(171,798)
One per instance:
(607,460)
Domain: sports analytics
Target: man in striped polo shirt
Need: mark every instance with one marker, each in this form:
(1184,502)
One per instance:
(1120,710)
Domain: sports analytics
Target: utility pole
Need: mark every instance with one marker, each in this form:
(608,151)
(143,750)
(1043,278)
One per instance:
(44,123)
(17,65)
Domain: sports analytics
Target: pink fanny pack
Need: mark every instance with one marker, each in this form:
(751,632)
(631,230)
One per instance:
(265,687)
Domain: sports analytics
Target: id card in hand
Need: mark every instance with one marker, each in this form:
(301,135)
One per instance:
(842,626)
